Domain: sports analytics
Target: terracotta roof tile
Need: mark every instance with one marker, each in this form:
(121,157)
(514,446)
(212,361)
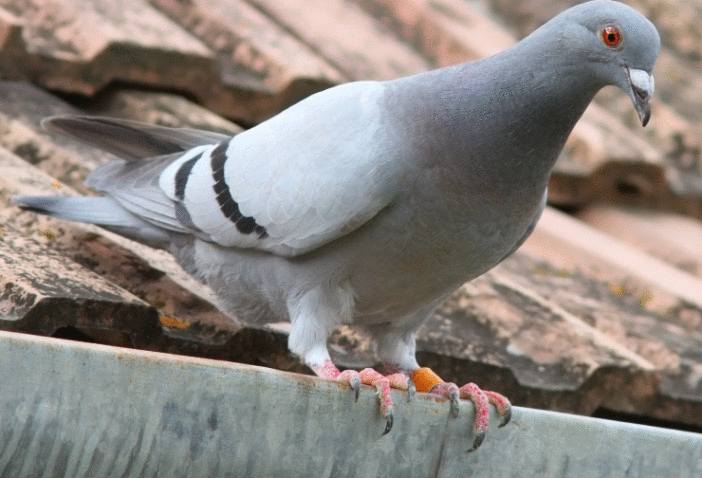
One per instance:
(43,290)
(82,47)
(47,294)
(263,67)
(672,238)
(354,42)
(444,31)
(166,109)
(570,243)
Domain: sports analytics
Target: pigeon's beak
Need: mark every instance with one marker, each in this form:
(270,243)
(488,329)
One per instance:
(642,87)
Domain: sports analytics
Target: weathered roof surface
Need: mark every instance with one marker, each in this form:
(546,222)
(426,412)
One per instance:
(671,237)
(598,311)
(81,47)
(198,418)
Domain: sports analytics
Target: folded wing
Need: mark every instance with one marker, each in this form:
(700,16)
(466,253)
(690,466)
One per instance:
(308,176)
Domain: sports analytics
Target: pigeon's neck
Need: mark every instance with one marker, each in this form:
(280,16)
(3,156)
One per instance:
(537,103)
(515,110)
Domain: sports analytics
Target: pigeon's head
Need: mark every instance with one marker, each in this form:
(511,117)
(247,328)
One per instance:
(618,45)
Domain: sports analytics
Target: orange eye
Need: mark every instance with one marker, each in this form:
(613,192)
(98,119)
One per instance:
(611,36)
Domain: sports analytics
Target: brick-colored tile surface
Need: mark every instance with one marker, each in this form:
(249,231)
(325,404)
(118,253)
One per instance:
(255,54)
(572,243)
(44,291)
(159,108)
(444,31)
(672,238)
(80,47)
(357,44)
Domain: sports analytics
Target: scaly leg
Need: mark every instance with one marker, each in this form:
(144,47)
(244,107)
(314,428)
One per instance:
(313,316)
(368,376)
(382,384)
(427,381)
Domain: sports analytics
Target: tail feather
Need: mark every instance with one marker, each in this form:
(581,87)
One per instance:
(103,211)
(94,210)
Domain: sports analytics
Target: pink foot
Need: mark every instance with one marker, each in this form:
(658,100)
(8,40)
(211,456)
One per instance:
(481,400)
(369,376)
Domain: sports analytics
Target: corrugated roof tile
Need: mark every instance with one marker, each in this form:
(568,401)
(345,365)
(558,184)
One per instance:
(357,44)
(263,67)
(672,238)
(82,47)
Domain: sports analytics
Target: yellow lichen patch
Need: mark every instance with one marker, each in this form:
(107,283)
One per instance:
(618,290)
(545,271)
(56,185)
(173,323)
(48,234)
(645,298)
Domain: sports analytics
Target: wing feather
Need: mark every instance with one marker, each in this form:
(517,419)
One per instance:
(127,139)
(315,172)
(304,178)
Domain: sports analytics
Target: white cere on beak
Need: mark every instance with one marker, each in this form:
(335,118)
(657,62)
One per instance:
(642,86)
(642,81)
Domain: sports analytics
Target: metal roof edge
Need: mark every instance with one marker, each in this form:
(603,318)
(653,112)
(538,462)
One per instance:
(76,409)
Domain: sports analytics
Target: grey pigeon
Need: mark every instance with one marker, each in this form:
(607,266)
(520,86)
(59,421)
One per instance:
(371,202)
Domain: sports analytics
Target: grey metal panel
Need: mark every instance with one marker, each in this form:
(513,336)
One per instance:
(71,410)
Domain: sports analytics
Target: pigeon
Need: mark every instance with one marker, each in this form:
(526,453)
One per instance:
(368,203)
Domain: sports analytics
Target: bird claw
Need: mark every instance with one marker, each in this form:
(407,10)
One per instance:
(481,401)
(502,405)
(454,399)
(411,389)
(382,385)
(450,391)
(353,379)
(505,419)
(477,441)
(389,420)
(355,384)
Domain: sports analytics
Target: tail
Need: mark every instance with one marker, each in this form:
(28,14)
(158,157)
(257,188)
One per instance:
(102,211)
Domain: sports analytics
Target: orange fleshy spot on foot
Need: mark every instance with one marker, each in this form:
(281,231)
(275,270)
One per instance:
(425,379)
